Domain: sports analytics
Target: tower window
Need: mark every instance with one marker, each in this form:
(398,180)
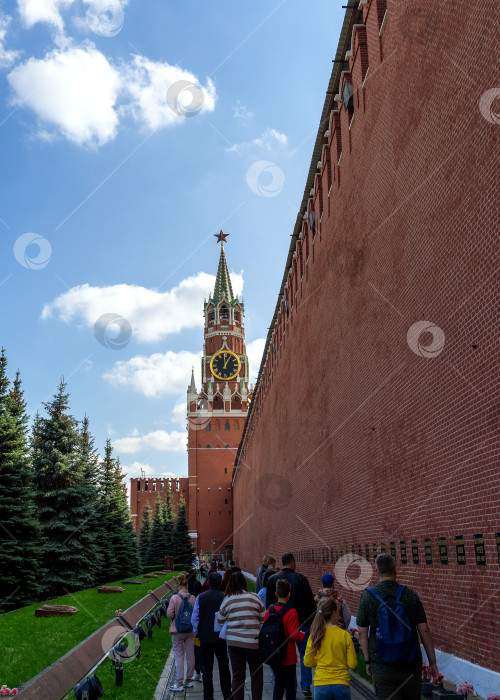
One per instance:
(208,447)
(236,399)
(209,427)
(227,446)
(227,426)
(225,470)
(211,316)
(225,501)
(138,484)
(224,312)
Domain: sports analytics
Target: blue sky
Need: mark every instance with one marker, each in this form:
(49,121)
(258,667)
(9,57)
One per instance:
(130,134)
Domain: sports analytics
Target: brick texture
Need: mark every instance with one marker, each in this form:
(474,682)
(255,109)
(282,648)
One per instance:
(353,439)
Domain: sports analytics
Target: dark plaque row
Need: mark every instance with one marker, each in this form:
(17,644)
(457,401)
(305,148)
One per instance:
(349,552)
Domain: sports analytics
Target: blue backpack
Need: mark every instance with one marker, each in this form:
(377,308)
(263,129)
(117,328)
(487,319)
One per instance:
(183,617)
(395,636)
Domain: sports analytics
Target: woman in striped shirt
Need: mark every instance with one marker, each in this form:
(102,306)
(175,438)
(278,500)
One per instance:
(244,613)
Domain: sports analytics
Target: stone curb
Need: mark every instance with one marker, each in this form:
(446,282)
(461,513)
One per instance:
(162,689)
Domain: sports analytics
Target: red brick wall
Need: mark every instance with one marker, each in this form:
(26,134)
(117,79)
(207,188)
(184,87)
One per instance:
(211,471)
(357,439)
(155,487)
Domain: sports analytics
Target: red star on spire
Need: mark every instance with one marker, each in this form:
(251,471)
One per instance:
(221,237)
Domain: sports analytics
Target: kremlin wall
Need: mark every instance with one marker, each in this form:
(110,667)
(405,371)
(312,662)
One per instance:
(375,419)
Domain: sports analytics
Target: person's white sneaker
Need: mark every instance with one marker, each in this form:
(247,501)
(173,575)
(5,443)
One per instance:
(176,687)
(197,677)
(188,684)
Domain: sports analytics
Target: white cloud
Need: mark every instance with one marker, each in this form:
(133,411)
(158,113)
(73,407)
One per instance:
(159,440)
(47,11)
(153,315)
(155,375)
(254,352)
(269,141)
(148,83)
(74,90)
(179,410)
(7,56)
(241,112)
(78,93)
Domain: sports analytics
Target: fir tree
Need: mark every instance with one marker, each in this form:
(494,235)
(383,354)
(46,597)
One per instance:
(106,470)
(61,498)
(156,552)
(145,534)
(183,544)
(168,523)
(121,542)
(20,537)
(96,525)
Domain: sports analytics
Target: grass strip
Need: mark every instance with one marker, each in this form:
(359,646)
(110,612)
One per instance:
(140,676)
(29,644)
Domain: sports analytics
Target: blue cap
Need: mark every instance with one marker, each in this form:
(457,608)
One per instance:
(327,580)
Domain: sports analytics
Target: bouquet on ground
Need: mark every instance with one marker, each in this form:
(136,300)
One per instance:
(465,688)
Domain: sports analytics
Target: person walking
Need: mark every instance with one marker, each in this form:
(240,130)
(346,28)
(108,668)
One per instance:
(397,675)
(182,641)
(302,599)
(285,672)
(206,606)
(328,591)
(267,575)
(331,652)
(260,572)
(194,587)
(244,613)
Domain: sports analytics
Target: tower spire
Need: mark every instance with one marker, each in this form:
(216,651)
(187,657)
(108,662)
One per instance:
(223,285)
(192,386)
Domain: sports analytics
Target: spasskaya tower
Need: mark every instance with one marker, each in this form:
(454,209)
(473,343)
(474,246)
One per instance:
(216,414)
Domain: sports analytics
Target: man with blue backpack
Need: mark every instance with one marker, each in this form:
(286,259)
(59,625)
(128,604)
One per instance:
(390,620)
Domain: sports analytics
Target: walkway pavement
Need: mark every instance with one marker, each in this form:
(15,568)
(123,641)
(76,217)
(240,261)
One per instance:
(360,689)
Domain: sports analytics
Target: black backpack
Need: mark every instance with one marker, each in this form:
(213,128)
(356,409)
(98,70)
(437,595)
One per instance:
(272,639)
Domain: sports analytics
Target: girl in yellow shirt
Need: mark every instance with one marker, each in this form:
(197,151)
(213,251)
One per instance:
(331,652)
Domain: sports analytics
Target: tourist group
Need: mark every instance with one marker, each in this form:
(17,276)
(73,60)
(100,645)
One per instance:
(220,618)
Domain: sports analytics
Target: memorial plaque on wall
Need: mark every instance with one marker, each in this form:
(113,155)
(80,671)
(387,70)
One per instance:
(443,550)
(479,550)
(374,552)
(414,551)
(367,552)
(428,551)
(460,547)
(497,537)
(402,551)
(393,549)
(382,547)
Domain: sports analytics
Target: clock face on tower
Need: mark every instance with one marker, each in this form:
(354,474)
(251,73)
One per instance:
(225,365)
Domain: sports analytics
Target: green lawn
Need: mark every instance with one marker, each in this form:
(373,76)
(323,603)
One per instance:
(251,585)
(140,676)
(30,644)
(361,668)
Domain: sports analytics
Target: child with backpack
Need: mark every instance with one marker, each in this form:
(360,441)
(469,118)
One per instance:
(180,609)
(331,652)
(277,639)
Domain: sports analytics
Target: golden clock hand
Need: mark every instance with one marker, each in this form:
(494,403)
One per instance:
(225,363)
